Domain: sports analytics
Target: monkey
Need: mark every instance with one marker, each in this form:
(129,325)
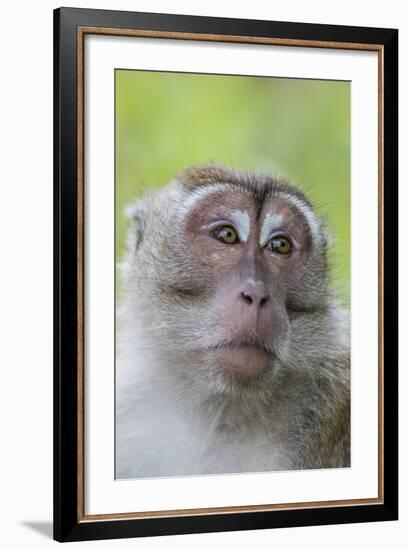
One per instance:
(233,351)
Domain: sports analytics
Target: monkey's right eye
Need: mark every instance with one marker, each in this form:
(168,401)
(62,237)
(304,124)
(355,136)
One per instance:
(226,234)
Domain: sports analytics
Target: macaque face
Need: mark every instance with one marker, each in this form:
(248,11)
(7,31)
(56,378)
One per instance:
(246,258)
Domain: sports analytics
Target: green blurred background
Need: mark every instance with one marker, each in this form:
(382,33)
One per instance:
(299,129)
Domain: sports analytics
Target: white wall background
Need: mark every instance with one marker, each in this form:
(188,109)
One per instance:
(26,271)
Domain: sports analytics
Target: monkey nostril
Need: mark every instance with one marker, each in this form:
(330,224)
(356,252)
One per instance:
(247,298)
(263,301)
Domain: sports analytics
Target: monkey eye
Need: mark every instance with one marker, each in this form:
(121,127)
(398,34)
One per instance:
(280,245)
(226,234)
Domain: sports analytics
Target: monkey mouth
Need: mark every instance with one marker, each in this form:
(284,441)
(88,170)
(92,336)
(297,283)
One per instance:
(242,358)
(244,344)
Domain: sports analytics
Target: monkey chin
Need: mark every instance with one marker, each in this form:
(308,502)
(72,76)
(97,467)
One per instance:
(244,362)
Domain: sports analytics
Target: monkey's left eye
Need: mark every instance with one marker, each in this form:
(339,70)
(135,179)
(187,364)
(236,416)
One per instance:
(226,234)
(280,245)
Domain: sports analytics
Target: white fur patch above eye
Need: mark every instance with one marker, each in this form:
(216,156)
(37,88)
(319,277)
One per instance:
(239,218)
(241,222)
(271,222)
(307,213)
(197,195)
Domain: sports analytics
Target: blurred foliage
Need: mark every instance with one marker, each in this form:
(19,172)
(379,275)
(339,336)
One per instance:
(299,129)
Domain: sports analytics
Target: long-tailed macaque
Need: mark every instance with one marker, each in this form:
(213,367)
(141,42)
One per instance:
(233,352)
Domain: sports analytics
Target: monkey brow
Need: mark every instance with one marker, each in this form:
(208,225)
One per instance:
(259,186)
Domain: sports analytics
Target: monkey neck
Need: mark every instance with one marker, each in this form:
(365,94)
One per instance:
(184,388)
(300,408)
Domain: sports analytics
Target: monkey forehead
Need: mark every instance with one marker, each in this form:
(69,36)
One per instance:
(260,186)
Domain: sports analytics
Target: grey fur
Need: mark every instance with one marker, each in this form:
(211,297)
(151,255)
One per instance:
(176,413)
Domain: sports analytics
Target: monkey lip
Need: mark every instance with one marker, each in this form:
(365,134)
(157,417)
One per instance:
(243,358)
(240,345)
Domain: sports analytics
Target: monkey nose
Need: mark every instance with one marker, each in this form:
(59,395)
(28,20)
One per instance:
(254,293)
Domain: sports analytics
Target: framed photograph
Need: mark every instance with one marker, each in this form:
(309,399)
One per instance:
(225,274)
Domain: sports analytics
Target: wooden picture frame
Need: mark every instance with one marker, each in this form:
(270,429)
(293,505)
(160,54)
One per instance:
(71,26)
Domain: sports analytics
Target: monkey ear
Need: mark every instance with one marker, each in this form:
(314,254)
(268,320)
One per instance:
(136,212)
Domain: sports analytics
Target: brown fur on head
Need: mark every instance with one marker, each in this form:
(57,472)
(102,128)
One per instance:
(259,184)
